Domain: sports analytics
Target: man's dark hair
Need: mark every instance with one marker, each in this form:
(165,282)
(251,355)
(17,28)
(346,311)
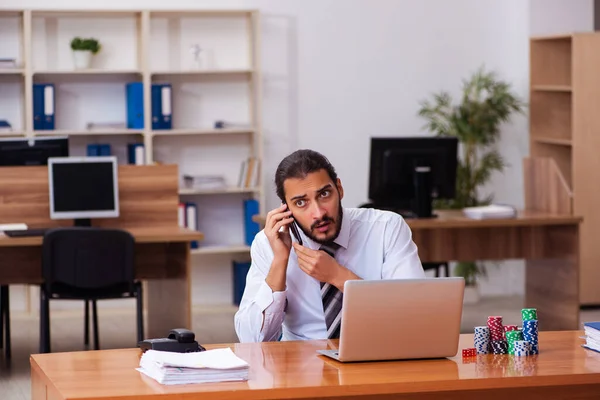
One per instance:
(299,164)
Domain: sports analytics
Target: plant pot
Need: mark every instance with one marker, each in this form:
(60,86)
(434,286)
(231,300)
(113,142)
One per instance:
(472,295)
(82,59)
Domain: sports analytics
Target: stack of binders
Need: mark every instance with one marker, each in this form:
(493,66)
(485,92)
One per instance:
(162,106)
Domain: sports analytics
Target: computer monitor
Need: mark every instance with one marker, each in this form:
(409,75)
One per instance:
(407,173)
(32,151)
(82,188)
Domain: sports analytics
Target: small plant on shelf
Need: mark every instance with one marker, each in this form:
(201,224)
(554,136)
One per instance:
(83,50)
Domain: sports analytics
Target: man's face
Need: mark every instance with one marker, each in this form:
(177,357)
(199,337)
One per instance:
(316,204)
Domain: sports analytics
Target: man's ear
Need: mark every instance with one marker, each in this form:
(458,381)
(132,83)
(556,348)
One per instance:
(338,183)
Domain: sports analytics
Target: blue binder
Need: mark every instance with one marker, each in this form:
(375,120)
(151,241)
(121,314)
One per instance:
(161,106)
(43,106)
(135,153)
(251,228)
(104,149)
(93,150)
(240,271)
(135,105)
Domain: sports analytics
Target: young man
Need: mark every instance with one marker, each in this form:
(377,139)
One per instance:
(294,291)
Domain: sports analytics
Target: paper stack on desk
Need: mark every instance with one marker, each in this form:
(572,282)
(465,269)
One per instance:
(216,365)
(592,335)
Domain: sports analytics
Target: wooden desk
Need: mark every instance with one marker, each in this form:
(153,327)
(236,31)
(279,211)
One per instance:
(293,370)
(549,242)
(148,202)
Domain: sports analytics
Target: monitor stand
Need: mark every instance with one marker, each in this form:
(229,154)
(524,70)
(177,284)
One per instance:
(83,222)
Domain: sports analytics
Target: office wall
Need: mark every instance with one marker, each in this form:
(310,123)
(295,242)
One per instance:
(337,72)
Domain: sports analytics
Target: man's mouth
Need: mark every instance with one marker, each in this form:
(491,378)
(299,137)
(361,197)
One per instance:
(322,227)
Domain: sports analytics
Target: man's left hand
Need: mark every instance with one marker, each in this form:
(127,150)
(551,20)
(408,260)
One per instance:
(322,266)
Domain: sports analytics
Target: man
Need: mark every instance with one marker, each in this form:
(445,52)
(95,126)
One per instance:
(295,291)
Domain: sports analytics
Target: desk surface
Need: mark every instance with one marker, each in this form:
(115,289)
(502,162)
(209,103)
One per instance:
(294,370)
(142,235)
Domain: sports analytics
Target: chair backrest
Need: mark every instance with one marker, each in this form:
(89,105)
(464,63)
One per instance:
(88,258)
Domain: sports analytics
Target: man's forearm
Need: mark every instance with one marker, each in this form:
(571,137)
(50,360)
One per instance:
(277,275)
(344,275)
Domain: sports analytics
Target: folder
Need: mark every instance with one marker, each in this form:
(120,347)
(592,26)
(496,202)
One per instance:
(93,150)
(240,271)
(251,228)
(135,105)
(162,106)
(136,154)
(43,106)
(104,149)
(191,216)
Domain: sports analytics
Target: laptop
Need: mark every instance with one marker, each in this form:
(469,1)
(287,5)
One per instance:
(400,319)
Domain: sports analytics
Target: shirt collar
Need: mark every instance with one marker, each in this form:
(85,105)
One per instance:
(343,237)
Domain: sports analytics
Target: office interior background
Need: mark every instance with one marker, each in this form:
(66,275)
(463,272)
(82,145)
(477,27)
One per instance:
(334,73)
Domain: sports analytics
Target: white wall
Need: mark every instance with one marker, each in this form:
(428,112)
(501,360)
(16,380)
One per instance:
(337,72)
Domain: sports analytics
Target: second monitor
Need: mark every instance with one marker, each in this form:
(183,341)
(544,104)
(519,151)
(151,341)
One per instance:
(82,188)
(407,173)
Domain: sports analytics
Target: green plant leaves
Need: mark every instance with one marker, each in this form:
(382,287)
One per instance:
(89,44)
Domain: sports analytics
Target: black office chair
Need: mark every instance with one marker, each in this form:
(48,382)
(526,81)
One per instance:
(437,266)
(88,264)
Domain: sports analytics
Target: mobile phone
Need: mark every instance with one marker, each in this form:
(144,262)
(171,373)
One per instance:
(295,232)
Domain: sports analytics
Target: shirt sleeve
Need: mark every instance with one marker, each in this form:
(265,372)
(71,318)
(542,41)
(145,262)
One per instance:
(401,257)
(261,311)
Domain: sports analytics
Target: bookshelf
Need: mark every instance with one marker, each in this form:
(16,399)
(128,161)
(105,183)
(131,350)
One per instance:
(565,129)
(150,46)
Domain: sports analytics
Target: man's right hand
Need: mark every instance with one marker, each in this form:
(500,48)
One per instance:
(280,241)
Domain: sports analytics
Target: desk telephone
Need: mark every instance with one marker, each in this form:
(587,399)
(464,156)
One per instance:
(178,341)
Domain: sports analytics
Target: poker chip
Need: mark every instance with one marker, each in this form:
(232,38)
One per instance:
(511,338)
(496,329)
(470,352)
(521,348)
(499,347)
(481,339)
(530,334)
(529,314)
(508,328)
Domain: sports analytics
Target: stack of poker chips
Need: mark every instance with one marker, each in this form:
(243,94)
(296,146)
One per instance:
(521,348)
(482,339)
(498,344)
(530,334)
(511,338)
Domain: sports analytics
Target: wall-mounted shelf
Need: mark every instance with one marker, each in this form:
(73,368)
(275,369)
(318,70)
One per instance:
(212,250)
(227,190)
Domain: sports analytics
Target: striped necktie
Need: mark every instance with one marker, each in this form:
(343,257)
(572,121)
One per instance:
(332,301)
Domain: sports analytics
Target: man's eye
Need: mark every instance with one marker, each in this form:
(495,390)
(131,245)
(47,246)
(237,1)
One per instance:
(325,193)
(300,203)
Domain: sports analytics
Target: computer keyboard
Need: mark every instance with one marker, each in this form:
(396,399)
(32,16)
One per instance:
(26,232)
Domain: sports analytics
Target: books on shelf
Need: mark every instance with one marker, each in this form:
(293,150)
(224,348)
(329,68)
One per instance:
(169,368)
(592,336)
(249,173)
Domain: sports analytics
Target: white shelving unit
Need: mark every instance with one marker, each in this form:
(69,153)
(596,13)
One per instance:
(150,47)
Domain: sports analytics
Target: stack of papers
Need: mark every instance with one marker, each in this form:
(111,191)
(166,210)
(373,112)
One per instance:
(218,365)
(204,182)
(592,335)
(493,211)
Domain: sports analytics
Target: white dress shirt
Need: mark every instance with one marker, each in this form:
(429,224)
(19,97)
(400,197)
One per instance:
(374,244)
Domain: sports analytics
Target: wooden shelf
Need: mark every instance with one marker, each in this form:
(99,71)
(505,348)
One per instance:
(91,13)
(66,132)
(552,88)
(200,131)
(203,72)
(11,71)
(199,13)
(227,190)
(567,36)
(87,72)
(12,134)
(211,250)
(560,142)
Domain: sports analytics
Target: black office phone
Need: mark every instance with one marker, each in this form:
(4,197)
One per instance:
(179,341)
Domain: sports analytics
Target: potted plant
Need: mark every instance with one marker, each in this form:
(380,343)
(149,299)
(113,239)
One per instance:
(486,102)
(83,50)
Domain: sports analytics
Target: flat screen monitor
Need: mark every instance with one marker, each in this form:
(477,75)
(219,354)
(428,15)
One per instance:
(402,169)
(82,188)
(32,151)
